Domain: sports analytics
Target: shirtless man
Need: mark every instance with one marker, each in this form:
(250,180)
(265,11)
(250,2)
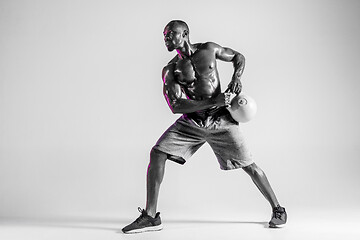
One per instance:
(192,88)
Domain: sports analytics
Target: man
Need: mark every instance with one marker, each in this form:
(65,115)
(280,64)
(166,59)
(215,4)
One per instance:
(192,88)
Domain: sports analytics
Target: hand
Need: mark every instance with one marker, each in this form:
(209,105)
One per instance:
(223,99)
(234,86)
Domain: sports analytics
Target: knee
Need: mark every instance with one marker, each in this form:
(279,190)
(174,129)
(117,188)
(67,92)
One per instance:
(254,170)
(157,158)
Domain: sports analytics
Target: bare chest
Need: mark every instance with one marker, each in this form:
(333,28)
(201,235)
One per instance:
(200,65)
(198,75)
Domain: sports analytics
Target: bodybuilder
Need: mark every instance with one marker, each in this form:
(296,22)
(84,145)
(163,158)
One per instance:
(192,88)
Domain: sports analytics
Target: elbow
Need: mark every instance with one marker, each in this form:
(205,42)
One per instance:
(239,57)
(175,110)
(172,105)
(242,59)
(242,56)
(238,60)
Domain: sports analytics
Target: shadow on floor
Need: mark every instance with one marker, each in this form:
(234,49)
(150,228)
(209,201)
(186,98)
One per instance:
(185,221)
(115,225)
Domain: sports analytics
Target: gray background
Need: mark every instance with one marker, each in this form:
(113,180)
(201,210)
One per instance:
(81,106)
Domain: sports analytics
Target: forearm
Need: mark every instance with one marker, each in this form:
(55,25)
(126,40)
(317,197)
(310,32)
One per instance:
(239,65)
(235,85)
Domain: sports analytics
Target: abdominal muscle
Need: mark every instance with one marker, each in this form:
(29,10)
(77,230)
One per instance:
(198,79)
(202,88)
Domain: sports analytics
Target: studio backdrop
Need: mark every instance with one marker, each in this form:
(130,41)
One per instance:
(81,105)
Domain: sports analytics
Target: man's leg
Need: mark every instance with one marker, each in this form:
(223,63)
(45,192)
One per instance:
(155,175)
(259,178)
(149,220)
(279,216)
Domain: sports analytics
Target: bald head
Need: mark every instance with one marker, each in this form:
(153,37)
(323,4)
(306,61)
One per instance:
(176,33)
(178,24)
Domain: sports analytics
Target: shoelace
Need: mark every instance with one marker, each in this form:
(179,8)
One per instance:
(142,216)
(278,212)
(141,210)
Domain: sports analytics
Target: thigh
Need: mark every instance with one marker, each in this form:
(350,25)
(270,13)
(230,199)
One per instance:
(230,147)
(181,140)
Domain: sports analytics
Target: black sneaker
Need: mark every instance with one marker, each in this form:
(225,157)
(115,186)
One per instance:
(144,223)
(278,218)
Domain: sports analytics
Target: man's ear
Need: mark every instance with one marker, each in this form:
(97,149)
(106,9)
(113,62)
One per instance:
(185,33)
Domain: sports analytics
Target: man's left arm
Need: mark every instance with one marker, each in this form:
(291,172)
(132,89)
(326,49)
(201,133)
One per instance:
(238,60)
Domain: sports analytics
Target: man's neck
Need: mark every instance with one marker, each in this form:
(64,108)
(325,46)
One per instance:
(186,51)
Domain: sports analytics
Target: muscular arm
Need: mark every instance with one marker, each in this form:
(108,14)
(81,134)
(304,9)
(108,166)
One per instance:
(238,60)
(177,99)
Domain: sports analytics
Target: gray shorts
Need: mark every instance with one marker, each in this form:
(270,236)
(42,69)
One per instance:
(182,139)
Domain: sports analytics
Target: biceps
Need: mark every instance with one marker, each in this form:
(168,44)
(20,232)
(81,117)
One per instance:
(173,93)
(226,54)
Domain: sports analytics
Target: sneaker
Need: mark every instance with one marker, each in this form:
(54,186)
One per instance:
(278,218)
(144,223)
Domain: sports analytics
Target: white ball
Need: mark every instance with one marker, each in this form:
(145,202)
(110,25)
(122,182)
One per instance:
(242,108)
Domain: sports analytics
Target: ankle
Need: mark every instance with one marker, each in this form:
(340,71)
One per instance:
(275,205)
(151,213)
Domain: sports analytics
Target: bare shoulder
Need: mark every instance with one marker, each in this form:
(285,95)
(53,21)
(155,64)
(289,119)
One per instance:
(171,65)
(174,60)
(210,46)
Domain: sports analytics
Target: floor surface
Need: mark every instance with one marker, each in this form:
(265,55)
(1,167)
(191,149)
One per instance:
(301,226)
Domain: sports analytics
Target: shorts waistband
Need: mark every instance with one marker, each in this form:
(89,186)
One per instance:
(210,112)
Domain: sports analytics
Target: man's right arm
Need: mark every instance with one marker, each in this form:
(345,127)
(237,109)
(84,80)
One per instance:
(179,102)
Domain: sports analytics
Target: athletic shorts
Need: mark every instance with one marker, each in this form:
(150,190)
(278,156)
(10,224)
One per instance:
(182,139)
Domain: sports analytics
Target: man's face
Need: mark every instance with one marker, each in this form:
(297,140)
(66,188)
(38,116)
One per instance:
(173,37)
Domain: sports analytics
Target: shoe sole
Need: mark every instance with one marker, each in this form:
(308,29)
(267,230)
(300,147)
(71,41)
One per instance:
(145,229)
(276,226)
